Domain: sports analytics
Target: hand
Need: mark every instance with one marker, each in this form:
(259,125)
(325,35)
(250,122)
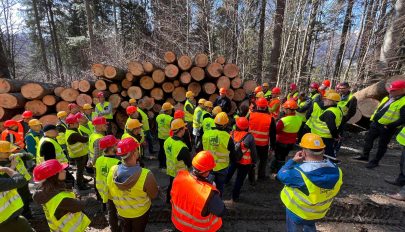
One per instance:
(14,156)
(4,169)
(299,157)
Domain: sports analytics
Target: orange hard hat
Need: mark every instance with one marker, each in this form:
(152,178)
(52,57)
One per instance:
(326,83)
(204,161)
(27,114)
(222,90)
(126,146)
(290,104)
(47,169)
(276,90)
(242,123)
(261,102)
(258,89)
(131,109)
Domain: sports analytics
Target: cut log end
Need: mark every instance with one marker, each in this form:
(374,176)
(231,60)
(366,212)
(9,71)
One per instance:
(147,66)
(201,60)
(197,73)
(184,63)
(147,83)
(98,70)
(135,92)
(169,57)
(158,76)
(135,68)
(215,70)
(231,70)
(171,71)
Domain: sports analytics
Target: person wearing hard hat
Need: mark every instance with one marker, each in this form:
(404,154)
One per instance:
(223,101)
(208,122)
(48,148)
(258,89)
(144,119)
(131,188)
(311,183)
(177,154)
(132,113)
(189,107)
(108,146)
(87,110)
(77,146)
(133,129)
(197,123)
(314,92)
(275,103)
(33,136)
(187,139)
(325,121)
(61,127)
(14,133)
(132,102)
(196,202)
(163,121)
(389,115)
(11,178)
(293,93)
(100,129)
(207,113)
(219,143)
(266,90)
(400,180)
(26,117)
(86,127)
(104,109)
(73,108)
(324,87)
(286,135)
(63,211)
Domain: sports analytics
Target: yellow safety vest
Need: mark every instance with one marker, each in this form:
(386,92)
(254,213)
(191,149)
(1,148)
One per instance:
(75,150)
(292,123)
(130,203)
(101,108)
(197,116)
(145,119)
(293,96)
(10,202)
(163,123)
(92,139)
(188,117)
(60,155)
(401,137)
(208,124)
(86,130)
(320,128)
(77,222)
(392,114)
(303,114)
(61,135)
(267,94)
(316,112)
(216,141)
(20,168)
(313,206)
(343,104)
(103,165)
(172,149)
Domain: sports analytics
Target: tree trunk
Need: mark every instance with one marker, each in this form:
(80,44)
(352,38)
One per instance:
(11,85)
(260,49)
(41,40)
(54,36)
(12,100)
(89,17)
(4,71)
(276,41)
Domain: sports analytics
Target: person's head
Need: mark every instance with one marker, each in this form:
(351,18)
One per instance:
(258,89)
(208,106)
(81,118)
(50,131)
(108,144)
(397,88)
(290,106)
(100,97)
(301,96)
(87,109)
(259,95)
(312,146)
(343,88)
(132,102)
(27,116)
(50,170)
(179,114)
(222,92)
(134,126)
(242,123)
(6,149)
(261,103)
(127,149)
(331,98)
(62,115)
(201,102)
(132,111)
(325,84)
(35,125)
(203,163)
(100,124)
(72,121)
(293,87)
(216,110)
(221,120)
(265,87)
(73,108)
(190,95)
(11,125)
(275,92)
(167,108)
(178,127)
(313,87)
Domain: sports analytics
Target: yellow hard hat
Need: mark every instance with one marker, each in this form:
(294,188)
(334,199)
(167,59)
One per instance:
(167,106)
(132,100)
(332,96)
(61,114)
(312,141)
(265,84)
(133,123)
(216,110)
(201,101)
(189,94)
(330,91)
(259,94)
(221,119)
(34,122)
(177,124)
(87,106)
(6,146)
(208,104)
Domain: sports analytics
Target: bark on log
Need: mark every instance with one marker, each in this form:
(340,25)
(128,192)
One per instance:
(185,78)
(223,82)
(101,85)
(215,70)
(147,83)
(11,85)
(50,100)
(236,82)
(124,93)
(75,84)
(158,76)
(126,84)
(171,71)
(49,119)
(98,70)
(213,97)
(239,95)
(157,93)
(179,94)
(84,99)
(194,87)
(62,106)
(147,66)
(121,118)
(37,107)
(184,62)
(209,88)
(201,60)
(58,90)
(12,100)
(86,86)
(367,106)
(169,57)
(69,94)
(135,92)
(378,90)
(34,91)
(114,73)
(129,76)
(114,88)
(197,73)
(230,93)
(115,100)
(168,87)
(220,60)
(6,114)
(135,68)
(231,70)
(249,86)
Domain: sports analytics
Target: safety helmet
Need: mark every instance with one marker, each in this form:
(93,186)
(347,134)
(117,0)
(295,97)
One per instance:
(133,123)
(177,124)
(179,114)
(312,141)
(204,161)
(27,114)
(167,106)
(216,110)
(258,89)
(100,94)
(61,114)
(222,90)
(87,107)
(34,122)
(10,123)
(99,120)
(265,84)
(208,104)
(201,101)
(314,85)
(261,102)
(290,104)
(397,85)
(242,123)
(276,90)
(71,119)
(132,100)
(47,169)
(326,83)
(221,119)
(333,96)
(293,86)
(259,94)
(79,115)
(72,105)
(126,146)
(131,109)
(189,94)
(108,141)
(6,146)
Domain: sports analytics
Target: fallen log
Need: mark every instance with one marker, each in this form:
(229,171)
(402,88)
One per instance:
(209,88)
(223,82)
(185,78)
(126,84)
(171,71)
(11,85)
(184,62)
(201,60)
(214,70)
(58,90)
(135,68)
(220,60)
(62,106)
(135,92)
(37,107)
(69,94)
(169,57)
(367,106)
(168,87)
(97,70)
(115,100)
(101,85)
(114,73)
(158,76)
(114,88)
(34,91)
(236,83)
(12,100)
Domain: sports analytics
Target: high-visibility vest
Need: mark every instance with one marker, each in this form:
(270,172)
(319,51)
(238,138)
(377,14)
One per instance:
(292,96)
(273,103)
(60,155)
(401,137)
(237,137)
(10,202)
(61,135)
(320,128)
(198,113)
(172,149)
(130,203)
(392,114)
(18,137)
(69,222)
(20,167)
(314,96)
(259,126)
(145,120)
(292,123)
(316,112)
(92,139)
(208,124)
(310,206)
(216,141)
(343,104)
(86,130)
(303,114)
(103,165)
(267,94)
(100,108)
(189,197)
(163,122)
(35,137)
(188,117)
(75,150)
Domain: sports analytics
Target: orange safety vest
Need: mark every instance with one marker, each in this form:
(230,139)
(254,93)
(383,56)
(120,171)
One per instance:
(237,137)
(189,197)
(18,136)
(259,126)
(272,103)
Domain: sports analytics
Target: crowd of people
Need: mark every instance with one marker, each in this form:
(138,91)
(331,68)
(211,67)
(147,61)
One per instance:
(201,147)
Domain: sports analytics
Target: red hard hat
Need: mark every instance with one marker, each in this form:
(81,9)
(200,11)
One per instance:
(261,102)
(290,104)
(314,85)
(276,90)
(108,141)
(222,90)
(293,86)
(79,115)
(326,83)
(71,119)
(100,94)
(397,85)
(10,123)
(27,114)
(126,146)
(258,89)
(131,109)
(242,123)
(99,121)
(72,105)
(179,114)
(204,161)
(47,169)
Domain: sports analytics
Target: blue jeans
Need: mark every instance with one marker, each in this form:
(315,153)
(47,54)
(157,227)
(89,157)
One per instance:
(242,172)
(294,227)
(149,139)
(219,180)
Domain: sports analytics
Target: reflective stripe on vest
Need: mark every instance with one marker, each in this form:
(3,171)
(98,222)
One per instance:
(313,206)
(101,109)
(198,112)
(70,222)
(208,124)
(172,149)
(343,104)
(103,165)
(133,202)
(292,123)
(92,139)
(401,137)
(60,155)
(392,114)
(145,119)
(75,150)
(20,167)
(188,117)
(10,202)
(163,123)
(216,141)
(320,128)
(246,155)
(18,138)
(259,126)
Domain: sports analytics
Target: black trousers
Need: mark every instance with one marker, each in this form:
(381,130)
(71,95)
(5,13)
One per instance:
(26,197)
(134,224)
(81,164)
(330,145)
(242,172)
(263,153)
(169,189)
(384,136)
(281,151)
(112,216)
(161,155)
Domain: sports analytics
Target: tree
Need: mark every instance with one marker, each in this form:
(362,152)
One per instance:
(40,39)
(276,42)
(261,41)
(89,17)
(4,72)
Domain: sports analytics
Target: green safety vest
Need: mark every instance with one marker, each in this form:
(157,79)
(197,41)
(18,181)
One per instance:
(20,168)
(313,206)
(392,114)
(401,137)
(60,155)
(130,203)
(103,165)
(303,114)
(101,108)
(316,109)
(70,221)
(87,130)
(188,117)
(197,116)
(320,128)
(145,119)
(314,96)
(293,96)
(208,124)
(343,104)
(292,123)
(10,202)
(75,150)
(172,149)
(267,94)
(216,141)
(61,135)
(163,123)
(92,139)
(36,138)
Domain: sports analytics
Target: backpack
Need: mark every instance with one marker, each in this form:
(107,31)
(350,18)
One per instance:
(238,147)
